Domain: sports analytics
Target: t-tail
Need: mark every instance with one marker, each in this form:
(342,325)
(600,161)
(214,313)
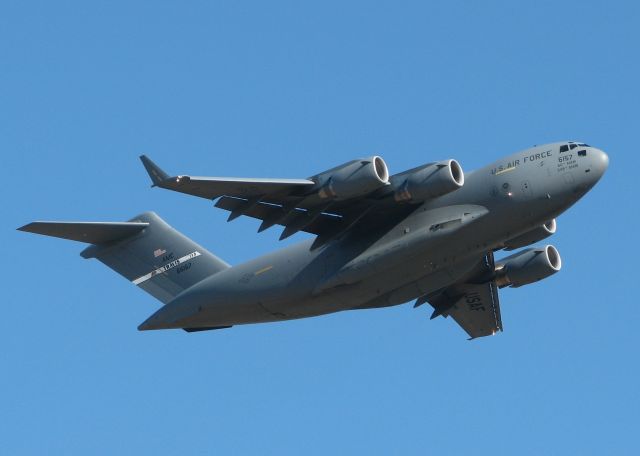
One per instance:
(145,250)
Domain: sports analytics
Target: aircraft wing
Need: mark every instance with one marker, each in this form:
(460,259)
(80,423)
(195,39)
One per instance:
(474,306)
(292,203)
(214,187)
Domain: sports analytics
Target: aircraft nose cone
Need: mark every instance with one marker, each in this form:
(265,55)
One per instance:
(601,162)
(605,159)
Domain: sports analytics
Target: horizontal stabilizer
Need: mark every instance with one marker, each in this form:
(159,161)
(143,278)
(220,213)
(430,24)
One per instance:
(145,250)
(90,232)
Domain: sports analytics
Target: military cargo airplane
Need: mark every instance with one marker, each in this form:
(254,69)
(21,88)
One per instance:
(427,234)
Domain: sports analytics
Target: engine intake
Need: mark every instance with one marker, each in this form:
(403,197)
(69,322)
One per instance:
(428,181)
(353,179)
(530,237)
(528,266)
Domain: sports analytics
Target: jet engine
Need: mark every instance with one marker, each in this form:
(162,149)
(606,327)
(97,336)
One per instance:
(428,181)
(530,237)
(353,179)
(527,266)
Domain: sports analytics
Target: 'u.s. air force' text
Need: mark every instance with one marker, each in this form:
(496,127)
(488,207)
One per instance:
(525,159)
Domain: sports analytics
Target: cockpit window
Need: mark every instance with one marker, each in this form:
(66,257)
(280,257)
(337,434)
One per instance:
(564,148)
(582,153)
(583,145)
(573,146)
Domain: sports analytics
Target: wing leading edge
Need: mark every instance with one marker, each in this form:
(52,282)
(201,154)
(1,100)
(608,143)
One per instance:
(292,203)
(214,187)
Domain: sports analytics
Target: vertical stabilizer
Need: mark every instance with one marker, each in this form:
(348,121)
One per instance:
(146,251)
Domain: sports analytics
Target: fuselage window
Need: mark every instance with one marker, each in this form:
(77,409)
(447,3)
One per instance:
(564,148)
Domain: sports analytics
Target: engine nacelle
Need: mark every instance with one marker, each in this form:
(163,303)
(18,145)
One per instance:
(531,237)
(428,181)
(528,266)
(353,179)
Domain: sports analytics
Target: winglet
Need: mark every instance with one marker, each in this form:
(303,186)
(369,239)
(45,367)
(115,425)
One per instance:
(155,173)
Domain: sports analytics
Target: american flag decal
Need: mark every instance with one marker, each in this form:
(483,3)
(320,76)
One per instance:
(166,267)
(159,252)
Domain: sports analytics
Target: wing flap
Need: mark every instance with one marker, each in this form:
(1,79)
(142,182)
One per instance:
(272,214)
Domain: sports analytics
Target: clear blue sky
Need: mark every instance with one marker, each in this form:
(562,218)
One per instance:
(287,89)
